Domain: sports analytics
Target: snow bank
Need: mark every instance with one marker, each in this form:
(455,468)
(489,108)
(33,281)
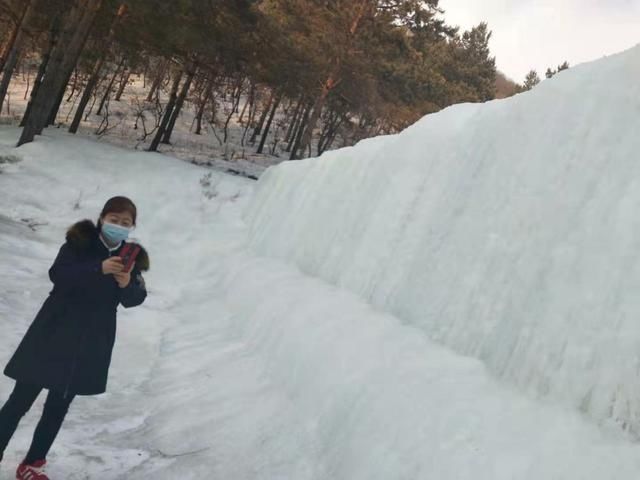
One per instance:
(508,231)
(240,367)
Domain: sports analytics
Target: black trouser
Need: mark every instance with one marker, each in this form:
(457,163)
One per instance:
(19,403)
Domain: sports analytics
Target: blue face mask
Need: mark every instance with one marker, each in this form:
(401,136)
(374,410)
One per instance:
(114,234)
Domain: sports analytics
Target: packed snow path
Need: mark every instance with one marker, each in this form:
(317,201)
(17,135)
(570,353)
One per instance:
(242,367)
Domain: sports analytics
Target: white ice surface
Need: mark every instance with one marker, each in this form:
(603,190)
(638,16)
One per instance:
(242,367)
(508,231)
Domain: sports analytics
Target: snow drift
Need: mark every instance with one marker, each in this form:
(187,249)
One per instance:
(508,231)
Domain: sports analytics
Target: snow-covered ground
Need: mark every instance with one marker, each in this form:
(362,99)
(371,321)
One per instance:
(242,367)
(209,148)
(507,231)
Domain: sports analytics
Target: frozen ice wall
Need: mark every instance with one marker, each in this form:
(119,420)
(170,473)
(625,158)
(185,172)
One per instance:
(509,231)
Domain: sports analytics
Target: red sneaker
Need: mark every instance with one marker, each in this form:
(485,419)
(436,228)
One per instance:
(33,471)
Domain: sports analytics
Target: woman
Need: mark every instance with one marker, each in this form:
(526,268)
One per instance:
(67,349)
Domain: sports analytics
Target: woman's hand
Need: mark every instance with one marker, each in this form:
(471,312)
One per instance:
(112,265)
(123,278)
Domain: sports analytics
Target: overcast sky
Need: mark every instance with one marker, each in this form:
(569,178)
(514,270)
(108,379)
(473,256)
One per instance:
(541,33)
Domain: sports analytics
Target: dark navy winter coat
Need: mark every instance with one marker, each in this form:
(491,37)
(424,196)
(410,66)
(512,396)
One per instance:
(68,346)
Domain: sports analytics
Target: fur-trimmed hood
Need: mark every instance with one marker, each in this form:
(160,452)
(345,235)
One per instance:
(84,234)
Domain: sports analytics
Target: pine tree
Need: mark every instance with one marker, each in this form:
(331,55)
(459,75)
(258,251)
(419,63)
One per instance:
(333,68)
(531,80)
(551,73)
(96,70)
(474,68)
(63,60)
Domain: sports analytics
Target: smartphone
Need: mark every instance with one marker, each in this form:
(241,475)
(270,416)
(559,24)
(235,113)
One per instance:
(128,255)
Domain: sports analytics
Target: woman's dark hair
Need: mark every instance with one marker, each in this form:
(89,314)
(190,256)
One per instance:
(119,205)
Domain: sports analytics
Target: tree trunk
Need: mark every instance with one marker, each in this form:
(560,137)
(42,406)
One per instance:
(61,65)
(9,68)
(162,70)
(144,74)
(123,84)
(252,116)
(13,36)
(326,129)
(179,102)
(58,101)
(94,98)
(294,121)
(331,131)
(238,96)
(95,74)
(327,145)
(234,108)
(298,136)
(65,83)
(203,105)
(74,85)
(248,102)
(86,95)
(268,125)
(109,89)
(296,128)
(14,54)
(327,86)
(167,113)
(263,117)
(26,90)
